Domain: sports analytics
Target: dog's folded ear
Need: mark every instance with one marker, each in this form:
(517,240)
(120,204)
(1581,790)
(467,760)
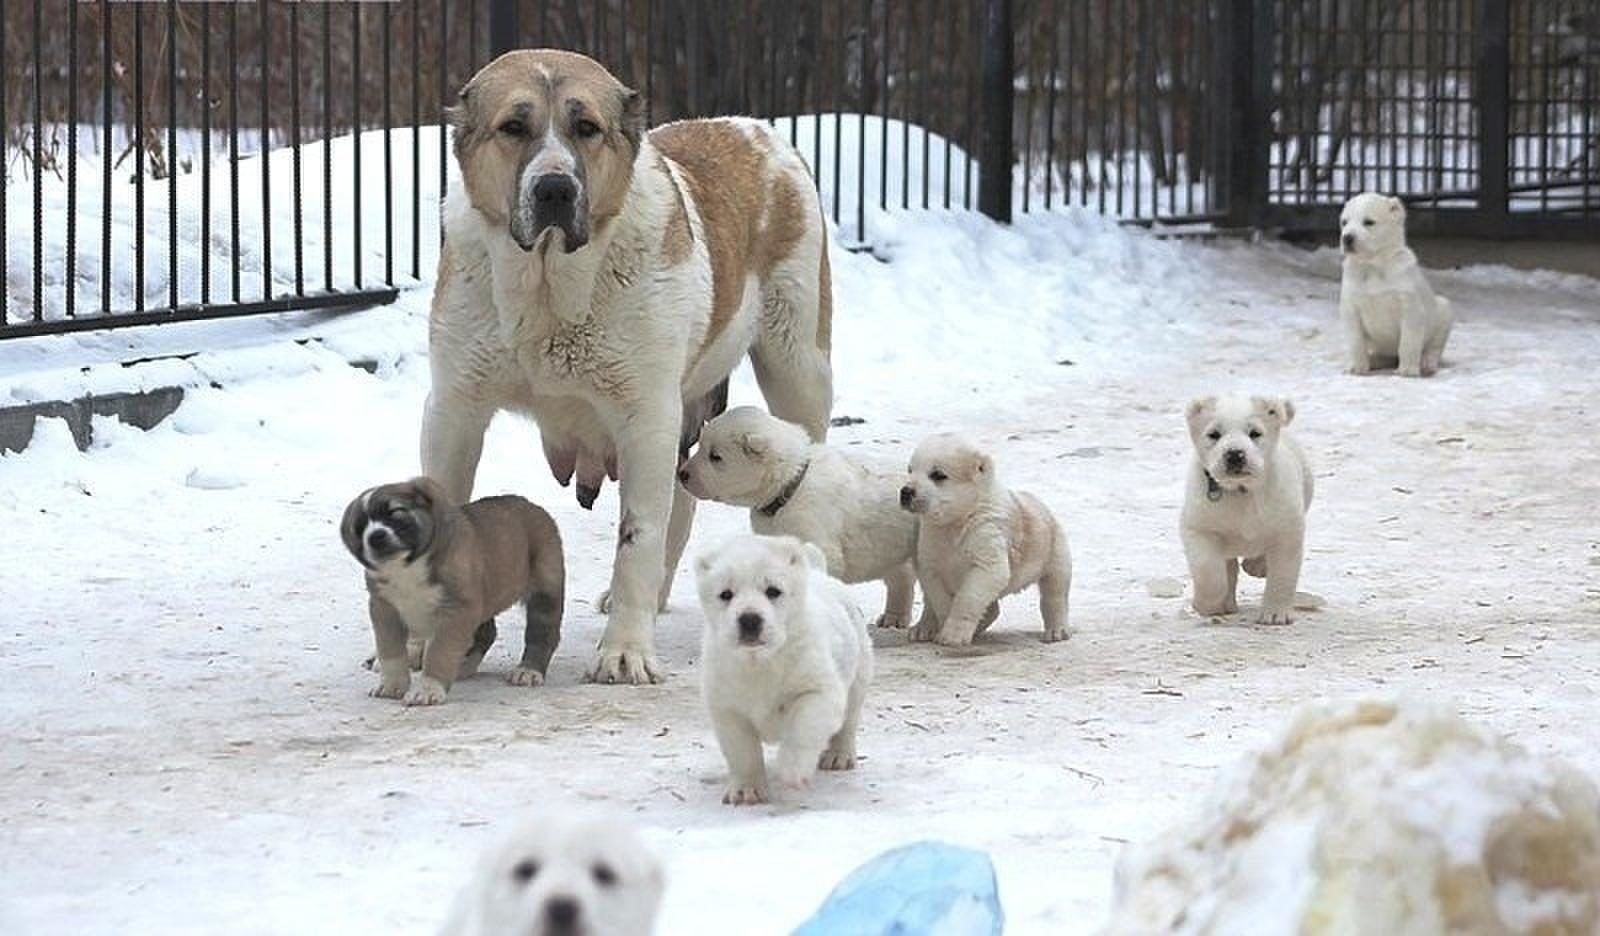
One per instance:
(753,445)
(1198,407)
(633,116)
(349,526)
(1275,408)
(1396,206)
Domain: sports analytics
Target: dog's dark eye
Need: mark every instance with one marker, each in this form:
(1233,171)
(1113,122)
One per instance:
(1368,222)
(937,476)
(513,128)
(604,875)
(1255,433)
(524,871)
(1214,435)
(774,593)
(586,128)
(727,595)
(713,456)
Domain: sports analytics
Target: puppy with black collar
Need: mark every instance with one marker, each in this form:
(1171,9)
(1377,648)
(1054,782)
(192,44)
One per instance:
(1249,488)
(437,574)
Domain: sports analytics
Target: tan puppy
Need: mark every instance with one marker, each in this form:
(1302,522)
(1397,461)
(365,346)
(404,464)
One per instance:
(1248,491)
(437,575)
(797,487)
(978,542)
(1388,310)
(562,874)
(605,281)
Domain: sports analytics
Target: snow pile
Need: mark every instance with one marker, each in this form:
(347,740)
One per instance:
(1376,817)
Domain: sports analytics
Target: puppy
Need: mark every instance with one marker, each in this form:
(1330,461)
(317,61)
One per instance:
(561,875)
(1248,491)
(1385,304)
(978,542)
(437,575)
(786,659)
(805,489)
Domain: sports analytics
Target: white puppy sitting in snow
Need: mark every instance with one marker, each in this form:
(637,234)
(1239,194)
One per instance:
(785,658)
(1248,491)
(1385,304)
(561,874)
(978,542)
(805,489)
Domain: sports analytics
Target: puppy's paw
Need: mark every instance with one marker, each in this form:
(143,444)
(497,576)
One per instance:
(1359,369)
(837,759)
(795,776)
(894,621)
(1275,616)
(427,691)
(1217,609)
(1410,370)
(525,676)
(623,664)
(927,629)
(389,690)
(1053,635)
(744,794)
(955,634)
(1255,565)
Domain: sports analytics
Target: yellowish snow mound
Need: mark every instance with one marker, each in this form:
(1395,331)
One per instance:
(1376,817)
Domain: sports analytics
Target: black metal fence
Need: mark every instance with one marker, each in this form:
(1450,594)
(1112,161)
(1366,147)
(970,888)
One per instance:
(170,160)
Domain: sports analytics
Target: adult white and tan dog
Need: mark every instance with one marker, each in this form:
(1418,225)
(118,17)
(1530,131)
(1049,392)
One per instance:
(785,658)
(1248,490)
(978,542)
(561,874)
(1388,311)
(796,487)
(605,282)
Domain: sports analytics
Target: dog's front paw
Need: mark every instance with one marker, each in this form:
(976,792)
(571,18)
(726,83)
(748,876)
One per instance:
(1055,634)
(634,665)
(1359,369)
(894,621)
(837,759)
(1275,616)
(525,676)
(389,690)
(1410,370)
(955,634)
(744,794)
(427,691)
(795,776)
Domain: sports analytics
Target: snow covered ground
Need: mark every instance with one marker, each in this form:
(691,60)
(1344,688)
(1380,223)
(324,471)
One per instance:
(188,744)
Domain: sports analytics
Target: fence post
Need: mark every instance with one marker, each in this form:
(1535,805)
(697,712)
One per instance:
(1492,88)
(1246,28)
(996,152)
(505,27)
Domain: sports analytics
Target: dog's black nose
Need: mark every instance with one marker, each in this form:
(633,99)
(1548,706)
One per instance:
(377,537)
(1349,241)
(749,625)
(555,190)
(1234,458)
(905,496)
(562,912)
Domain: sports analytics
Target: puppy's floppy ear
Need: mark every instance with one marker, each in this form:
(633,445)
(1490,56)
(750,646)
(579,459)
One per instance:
(982,465)
(1275,408)
(1198,408)
(702,564)
(348,526)
(431,492)
(754,444)
(1397,207)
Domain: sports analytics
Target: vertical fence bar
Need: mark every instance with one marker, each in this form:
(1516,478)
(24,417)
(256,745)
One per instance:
(298,210)
(205,154)
(138,157)
(172,153)
(105,157)
(1240,38)
(924,117)
(355,140)
(1028,62)
(883,113)
(233,142)
(38,161)
(995,167)
(388,144)
(5,164)
(72,166)
(949,93)
(1493,91)
(865,72)
(505,26)
(416,139)
(327,147)
(265,152)
(444,96)
(1050,103)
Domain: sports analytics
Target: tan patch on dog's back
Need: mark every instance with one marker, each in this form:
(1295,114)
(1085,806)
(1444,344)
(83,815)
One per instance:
(677,238)
(751,221)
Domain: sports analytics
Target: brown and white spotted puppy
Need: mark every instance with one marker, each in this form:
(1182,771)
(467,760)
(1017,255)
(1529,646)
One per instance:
(605,281)
(437,575)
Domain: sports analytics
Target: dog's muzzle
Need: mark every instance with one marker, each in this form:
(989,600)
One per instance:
(907,496)
(1349,243)
(555,200)
(1234,461)
(750,628)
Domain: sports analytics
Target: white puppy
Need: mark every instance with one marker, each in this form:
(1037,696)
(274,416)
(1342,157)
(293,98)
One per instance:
(978,542)
(785,658)
(1248,491)
(561,874)
(1385,304)
(805,489)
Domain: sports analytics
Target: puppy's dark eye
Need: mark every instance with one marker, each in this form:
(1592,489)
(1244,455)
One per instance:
(774,593)
(1368,222)
(524,871)
(513,128)
(713,456)
(1255,433)
(604,875)
(726,596)
(937,476)
(1214,435)
(586,128)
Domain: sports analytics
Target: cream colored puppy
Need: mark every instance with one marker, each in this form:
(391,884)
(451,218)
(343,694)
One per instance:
(561,874)
(1248,491)
(1385,304)
(785,658)
(805,489)
(978,542)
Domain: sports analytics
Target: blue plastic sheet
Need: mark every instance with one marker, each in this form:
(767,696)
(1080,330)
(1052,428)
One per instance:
(921,889)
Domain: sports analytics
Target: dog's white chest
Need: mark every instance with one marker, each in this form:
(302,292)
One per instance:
(407,588)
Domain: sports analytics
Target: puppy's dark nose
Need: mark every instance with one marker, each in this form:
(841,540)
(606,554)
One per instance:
(905,496)
(1234,459)
(377,537)
(1349,242)
(683,475)
(562,912)
(555,190)
(749,625)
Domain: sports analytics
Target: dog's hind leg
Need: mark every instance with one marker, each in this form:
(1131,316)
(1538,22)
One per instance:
(790,354)
(900,585)
(544,606)
(1054,587)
